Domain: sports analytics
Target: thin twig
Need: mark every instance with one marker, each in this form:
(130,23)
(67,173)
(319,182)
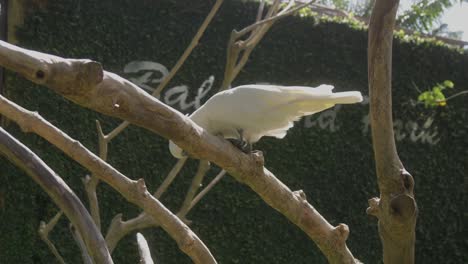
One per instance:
(90,183)
(237,47)
(79,241)
(44,230)
(117,130)
(203,168)
(455,95)
(273,18)
(207,189)
(189,49)
(260,10)
(169,178)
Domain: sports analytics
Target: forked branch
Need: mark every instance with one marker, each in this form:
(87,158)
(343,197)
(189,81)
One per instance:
(134,191)
(85,83)
(44,230)
(396,207)
(58,191)
(104,140)
(239,49)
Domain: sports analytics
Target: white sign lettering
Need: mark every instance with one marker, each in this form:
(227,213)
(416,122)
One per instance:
(148,74)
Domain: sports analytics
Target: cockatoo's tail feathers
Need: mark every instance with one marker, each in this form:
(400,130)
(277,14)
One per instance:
(323,92)
(323,89)
(347,97)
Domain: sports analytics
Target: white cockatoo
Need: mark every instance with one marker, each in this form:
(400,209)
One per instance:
(249,112)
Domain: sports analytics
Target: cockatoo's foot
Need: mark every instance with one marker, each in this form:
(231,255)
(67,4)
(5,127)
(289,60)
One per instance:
(241,145)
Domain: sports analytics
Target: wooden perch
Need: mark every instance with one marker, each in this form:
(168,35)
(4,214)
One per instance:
(396,208)
(85,83)
(134,191)
(59,192)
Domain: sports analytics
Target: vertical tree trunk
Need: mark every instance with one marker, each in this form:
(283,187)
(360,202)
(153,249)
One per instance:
(396,208)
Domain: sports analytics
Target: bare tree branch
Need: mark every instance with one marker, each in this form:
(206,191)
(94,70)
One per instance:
(119,228)
(85,83)
(210,186)
(134,191)
(203,168)
(79,241)
(92,182)
(59,192)
(170,178)
(44,230)
(243,48)
(143,249)
(189,49)
(178,64)
(396,208)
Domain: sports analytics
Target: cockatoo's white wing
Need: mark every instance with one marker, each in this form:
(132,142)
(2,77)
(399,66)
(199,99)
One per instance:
(261,110)
(265,110)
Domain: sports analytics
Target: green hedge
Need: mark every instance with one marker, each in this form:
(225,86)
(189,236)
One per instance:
(332,163)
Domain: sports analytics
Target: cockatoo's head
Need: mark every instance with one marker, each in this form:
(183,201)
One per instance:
(176,151)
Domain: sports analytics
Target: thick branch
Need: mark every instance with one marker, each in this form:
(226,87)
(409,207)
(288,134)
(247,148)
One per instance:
(79,81)
(396,208)
(134,191)
(59,192)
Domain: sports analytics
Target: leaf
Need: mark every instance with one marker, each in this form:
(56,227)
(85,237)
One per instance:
(448,84)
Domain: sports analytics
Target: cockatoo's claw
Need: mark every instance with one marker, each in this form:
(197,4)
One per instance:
(241,145)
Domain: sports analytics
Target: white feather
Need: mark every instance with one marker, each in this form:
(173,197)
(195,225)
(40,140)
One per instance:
(263,110)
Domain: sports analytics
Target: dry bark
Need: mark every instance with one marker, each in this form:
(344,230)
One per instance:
(59,192)
(85,83)
(134,191)
(396,207)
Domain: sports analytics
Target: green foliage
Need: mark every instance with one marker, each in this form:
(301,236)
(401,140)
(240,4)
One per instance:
(423,15)
(334,168)
(435,97)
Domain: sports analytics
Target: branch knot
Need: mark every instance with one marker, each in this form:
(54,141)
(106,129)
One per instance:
(300,194)
(374,207)
(342,232)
